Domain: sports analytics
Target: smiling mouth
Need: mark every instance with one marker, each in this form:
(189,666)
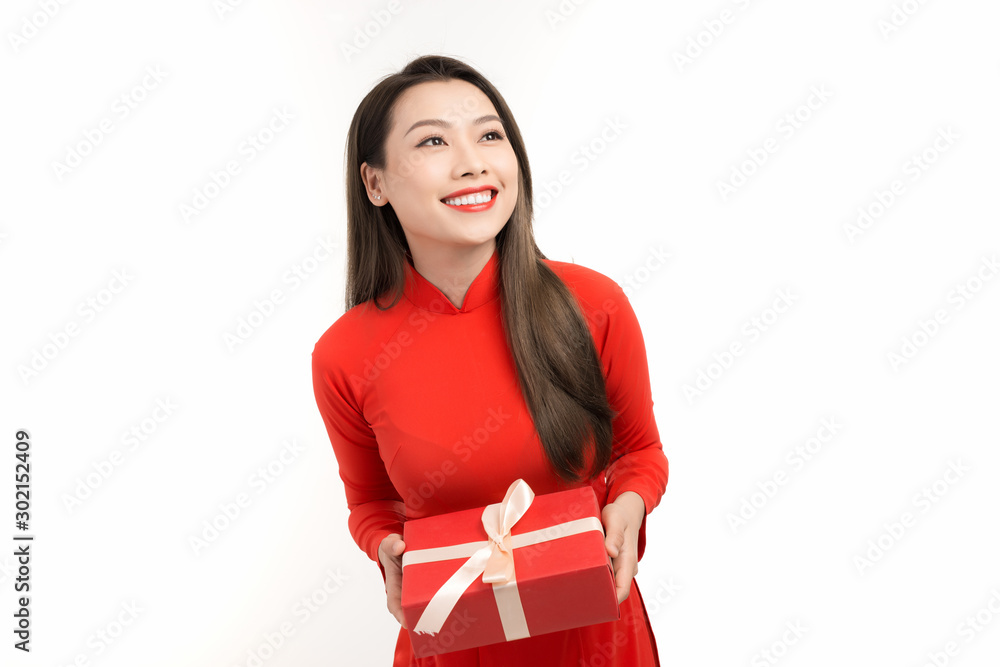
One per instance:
(471,202)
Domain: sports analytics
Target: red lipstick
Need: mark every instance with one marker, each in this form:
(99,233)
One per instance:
(473,208)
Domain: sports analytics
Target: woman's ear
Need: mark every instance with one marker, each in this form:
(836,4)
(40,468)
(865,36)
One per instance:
(372,180)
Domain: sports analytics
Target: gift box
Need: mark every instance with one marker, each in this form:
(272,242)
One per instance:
(521,567)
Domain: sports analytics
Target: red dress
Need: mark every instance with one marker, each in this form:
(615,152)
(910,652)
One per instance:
(425,415)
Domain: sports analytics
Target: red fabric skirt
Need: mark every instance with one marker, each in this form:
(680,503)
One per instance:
(629,641)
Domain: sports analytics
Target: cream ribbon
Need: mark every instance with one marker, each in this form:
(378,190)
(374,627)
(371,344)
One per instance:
(494,559)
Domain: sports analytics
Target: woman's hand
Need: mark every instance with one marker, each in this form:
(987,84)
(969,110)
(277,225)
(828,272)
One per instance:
(622,519)
(390,552)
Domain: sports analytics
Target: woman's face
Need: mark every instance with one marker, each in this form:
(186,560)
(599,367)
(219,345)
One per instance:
(464,146)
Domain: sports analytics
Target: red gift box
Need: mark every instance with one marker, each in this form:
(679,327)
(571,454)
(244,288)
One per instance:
(522,567)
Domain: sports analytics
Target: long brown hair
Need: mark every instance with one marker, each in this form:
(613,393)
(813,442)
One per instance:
(559,371)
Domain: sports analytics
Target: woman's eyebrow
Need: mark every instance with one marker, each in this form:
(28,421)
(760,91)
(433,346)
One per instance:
(445,124)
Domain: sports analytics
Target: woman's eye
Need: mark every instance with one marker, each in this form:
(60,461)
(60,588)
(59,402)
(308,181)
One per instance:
(497,136)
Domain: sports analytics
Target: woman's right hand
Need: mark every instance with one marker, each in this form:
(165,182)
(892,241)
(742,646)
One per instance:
(390,553)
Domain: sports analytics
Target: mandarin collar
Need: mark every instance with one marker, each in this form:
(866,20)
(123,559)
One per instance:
(484,288)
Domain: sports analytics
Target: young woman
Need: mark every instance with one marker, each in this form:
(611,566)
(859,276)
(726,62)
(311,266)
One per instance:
(467,359)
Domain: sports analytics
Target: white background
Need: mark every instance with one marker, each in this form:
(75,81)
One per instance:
(718,593)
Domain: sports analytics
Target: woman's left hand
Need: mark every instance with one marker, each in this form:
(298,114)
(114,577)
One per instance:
(621,520)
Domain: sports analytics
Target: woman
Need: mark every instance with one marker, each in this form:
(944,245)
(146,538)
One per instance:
(467,359)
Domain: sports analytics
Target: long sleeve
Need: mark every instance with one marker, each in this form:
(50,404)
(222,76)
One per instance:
(638,462)
(376,509)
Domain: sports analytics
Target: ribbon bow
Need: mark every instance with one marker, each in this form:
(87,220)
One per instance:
(494,560)
(500,566)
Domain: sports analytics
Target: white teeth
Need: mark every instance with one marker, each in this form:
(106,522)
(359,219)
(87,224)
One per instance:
(478,198)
